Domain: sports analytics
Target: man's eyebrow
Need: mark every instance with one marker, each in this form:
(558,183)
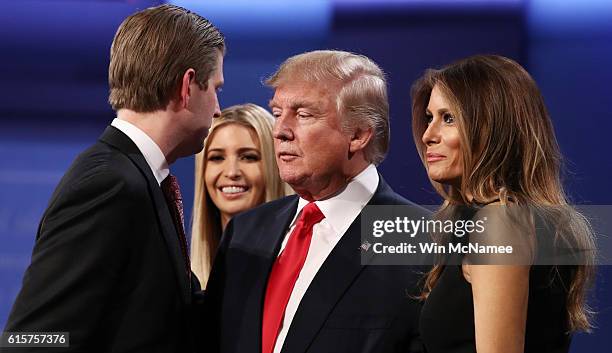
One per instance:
(295,105)
(303,104)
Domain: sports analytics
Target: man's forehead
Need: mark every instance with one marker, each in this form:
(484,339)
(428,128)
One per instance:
(300,94)
(218,72)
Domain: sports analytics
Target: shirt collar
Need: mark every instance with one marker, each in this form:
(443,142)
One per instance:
(341,209)
(150,150)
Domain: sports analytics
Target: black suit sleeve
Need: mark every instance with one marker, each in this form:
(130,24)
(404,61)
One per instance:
(83,242)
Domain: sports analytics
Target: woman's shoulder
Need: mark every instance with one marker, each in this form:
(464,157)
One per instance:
(506,236)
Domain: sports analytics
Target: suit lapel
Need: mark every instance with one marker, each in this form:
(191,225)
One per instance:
(266,249)
(330,283)
(119,140)
(278,230)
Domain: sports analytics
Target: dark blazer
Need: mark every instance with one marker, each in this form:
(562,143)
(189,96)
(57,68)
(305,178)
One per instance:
(348,307)
(107,265)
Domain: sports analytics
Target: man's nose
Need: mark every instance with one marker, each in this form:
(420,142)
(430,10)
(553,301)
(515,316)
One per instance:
(217,113)
(282,128)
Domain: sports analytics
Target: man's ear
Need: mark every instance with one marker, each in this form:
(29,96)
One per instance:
(360,139)
(185,92)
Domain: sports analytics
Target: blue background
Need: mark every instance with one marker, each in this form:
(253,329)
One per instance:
(53,88)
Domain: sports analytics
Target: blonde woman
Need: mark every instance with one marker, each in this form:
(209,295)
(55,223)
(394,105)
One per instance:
(235,171)
(485,137)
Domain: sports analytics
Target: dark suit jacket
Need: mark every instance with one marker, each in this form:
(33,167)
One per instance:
(348,307)
(107,266)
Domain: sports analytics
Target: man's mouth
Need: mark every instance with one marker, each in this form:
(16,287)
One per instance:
(287,157)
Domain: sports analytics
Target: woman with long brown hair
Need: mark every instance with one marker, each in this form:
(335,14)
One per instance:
(487,142)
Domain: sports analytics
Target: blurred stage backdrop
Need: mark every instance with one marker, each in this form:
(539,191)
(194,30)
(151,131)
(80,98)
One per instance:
(53,88)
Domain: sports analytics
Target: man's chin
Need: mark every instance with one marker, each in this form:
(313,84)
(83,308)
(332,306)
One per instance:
(199,146)
(191,150)
(294,180)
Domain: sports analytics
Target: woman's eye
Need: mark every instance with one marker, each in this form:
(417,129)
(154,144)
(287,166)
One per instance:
(251,157)
(215,158)
(448,118)
(428,119)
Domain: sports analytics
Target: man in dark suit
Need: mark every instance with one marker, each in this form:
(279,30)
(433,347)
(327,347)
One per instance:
(110,263)
(288,275)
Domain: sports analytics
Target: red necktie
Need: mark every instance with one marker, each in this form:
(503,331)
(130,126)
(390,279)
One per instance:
(285,272)
(172,193)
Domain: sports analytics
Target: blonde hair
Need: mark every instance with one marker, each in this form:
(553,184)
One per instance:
(510,154)
(151,51)
(206,227)
(362,98)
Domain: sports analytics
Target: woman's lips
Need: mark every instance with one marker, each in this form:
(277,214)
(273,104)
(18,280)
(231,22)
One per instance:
(434,157)
(234,189)
(233,192)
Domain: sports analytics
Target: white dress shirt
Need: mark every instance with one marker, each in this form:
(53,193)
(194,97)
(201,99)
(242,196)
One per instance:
(340,211)
(150,150)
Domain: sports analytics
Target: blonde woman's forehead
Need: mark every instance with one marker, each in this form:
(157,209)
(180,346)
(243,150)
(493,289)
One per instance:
(233,136)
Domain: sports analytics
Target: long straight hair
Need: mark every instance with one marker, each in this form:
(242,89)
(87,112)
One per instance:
(510,154)
(206,227)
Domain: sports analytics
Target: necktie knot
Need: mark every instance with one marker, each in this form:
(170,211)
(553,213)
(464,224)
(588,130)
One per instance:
(171,188)
(172,193)
(311,215)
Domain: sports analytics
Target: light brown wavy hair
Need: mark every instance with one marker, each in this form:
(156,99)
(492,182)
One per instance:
(206,227)
(151,51)
(510,154)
